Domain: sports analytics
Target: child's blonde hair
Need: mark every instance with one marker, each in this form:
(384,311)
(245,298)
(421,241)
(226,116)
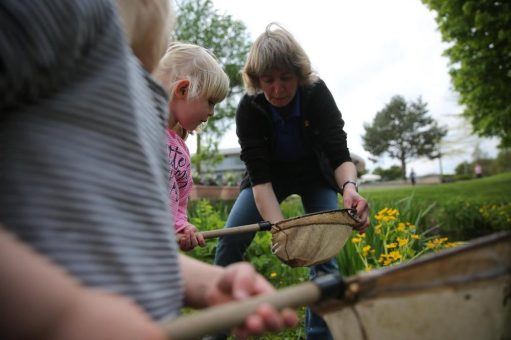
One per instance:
(184,61)
(276,48)
(148,25)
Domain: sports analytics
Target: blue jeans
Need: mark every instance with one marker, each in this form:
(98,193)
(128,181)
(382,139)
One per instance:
(316,196)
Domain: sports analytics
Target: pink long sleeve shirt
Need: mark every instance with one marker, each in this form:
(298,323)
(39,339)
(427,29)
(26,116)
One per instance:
(180,179)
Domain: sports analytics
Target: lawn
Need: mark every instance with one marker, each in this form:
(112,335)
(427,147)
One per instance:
(494,189)
(463,210)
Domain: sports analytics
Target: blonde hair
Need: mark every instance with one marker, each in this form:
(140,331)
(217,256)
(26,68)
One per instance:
(184,61)
(276,48)
(148,25)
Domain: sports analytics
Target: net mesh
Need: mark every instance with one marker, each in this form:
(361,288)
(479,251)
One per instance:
(312,238)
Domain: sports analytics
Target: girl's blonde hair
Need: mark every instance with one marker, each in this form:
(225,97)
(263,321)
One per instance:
(276,49)
(184,61)
(197,65)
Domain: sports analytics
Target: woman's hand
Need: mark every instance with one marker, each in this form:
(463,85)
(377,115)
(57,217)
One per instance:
(352,199)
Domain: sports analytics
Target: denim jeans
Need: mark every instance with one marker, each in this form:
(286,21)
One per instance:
(316,196)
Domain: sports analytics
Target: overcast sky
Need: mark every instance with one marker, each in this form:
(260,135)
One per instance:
(367,52)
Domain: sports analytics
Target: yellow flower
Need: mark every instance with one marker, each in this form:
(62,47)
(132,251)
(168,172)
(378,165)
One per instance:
(356,239)
(431,245)
(391,245)
(388,259)
(383,259)
(273,274)
(395,255)
(439,241)
(383,211)
(453,244)
(366,250)
(416,237)
(377,229)
(401,226)
(402,241)
(386,215)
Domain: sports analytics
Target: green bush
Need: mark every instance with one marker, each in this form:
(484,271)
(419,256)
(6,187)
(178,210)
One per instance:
(205,216)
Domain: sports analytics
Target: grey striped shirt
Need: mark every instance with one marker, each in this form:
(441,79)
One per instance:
(83,170)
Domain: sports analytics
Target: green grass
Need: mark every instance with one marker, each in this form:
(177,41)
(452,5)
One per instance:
(461,210)
(494,189)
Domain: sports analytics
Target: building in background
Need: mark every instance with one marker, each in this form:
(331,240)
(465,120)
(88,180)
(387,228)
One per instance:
(230,170)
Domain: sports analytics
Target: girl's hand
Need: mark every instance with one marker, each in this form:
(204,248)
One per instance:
(190,238)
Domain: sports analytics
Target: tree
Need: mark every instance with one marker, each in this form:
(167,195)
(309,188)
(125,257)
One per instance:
(458,140)
(504,160)
(479,153)
(479,33)
(390,174)
(463,169)
(404,131)
(199,23)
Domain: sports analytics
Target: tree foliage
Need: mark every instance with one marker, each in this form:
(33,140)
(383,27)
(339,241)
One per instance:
(403,131)
(200,23)
(479,33)
(390,174)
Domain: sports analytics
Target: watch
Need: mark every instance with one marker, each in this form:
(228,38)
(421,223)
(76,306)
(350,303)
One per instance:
(349,182)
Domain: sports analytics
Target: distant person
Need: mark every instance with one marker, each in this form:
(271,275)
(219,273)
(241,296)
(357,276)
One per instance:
(195,83)
(412,176)
(478,170)
(292,142)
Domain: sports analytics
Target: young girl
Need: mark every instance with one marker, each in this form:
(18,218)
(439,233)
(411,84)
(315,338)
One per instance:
(195,82)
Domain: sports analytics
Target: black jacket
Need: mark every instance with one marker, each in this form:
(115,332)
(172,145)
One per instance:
(322,123)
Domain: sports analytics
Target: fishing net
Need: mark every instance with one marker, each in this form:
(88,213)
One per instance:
(312,238)
(462,293)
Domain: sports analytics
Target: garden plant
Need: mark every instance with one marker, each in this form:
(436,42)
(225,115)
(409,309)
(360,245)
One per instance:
(405,224)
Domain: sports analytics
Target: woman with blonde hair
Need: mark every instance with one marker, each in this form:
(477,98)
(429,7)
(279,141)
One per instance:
(292,142)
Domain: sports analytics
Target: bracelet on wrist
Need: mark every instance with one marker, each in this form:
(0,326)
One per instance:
(349,182)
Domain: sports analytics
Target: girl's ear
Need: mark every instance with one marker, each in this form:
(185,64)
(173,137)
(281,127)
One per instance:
(181,89)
